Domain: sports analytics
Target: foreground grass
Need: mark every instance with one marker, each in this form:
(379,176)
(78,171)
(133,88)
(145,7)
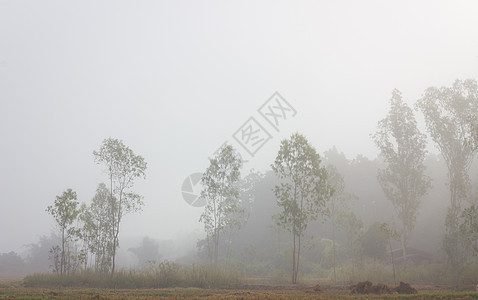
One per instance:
(161,276)
(16,289)
(172,281)
(198,293)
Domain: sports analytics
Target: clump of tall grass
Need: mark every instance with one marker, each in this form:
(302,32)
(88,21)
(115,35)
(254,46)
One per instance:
(157,275)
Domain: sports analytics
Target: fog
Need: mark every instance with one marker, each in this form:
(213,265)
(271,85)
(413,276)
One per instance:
(174,80)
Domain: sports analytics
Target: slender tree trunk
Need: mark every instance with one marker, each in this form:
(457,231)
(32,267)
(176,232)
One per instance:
(298,260)
(299,235)
(113,224)
(115,241)
(114,257)
(114,252)
(216,232)
(294,232)
(404,250)
(393,263)
(62,259)
(216,248)
(353,265)
(451,238)
(404,243)
(293,259)
(333,249)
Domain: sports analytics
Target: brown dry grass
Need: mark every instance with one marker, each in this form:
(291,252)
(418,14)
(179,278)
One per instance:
(13,289)
(185,293)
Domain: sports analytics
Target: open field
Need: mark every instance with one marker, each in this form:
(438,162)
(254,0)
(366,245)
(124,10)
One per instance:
(14,289)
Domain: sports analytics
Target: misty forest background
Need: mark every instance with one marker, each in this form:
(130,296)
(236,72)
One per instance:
(346,243)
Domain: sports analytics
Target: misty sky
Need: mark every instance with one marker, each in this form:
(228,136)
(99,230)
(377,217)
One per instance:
(175,79)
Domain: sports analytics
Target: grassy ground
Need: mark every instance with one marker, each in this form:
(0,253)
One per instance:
(14,289)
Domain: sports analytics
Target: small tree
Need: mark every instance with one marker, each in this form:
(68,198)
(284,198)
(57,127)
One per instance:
(220,189)
(123,167)
(303,191)
(447,112)
(64,211)
(402,146)
(97,229)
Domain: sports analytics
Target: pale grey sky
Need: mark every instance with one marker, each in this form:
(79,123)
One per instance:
(175,79)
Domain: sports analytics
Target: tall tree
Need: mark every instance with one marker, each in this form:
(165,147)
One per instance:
(65,212)
(122,167)
(402,146)
(303,191)
(220,188)
(447,111)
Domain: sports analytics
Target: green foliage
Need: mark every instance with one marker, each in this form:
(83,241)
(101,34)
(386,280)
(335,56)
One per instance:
(122,167)
(65,212)
(97,230)
(303,191)
(220,187)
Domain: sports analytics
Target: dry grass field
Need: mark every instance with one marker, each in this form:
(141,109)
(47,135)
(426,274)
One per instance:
(14,289)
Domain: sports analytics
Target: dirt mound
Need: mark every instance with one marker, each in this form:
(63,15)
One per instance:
(366,287)
(314,289)
(381,288)
(362,287)
(405,288)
